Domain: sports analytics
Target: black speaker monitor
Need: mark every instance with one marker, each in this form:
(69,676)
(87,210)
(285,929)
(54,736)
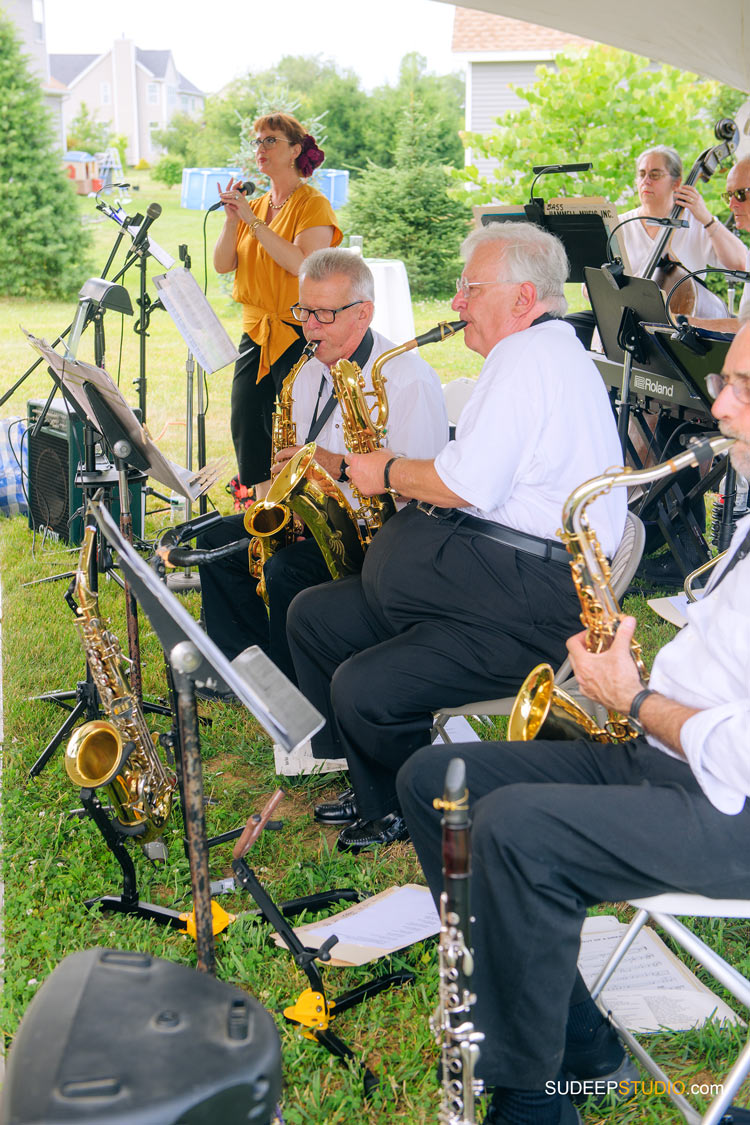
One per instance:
(118,1036)
(55,497)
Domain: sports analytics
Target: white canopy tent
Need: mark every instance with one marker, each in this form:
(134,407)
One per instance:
(708,37)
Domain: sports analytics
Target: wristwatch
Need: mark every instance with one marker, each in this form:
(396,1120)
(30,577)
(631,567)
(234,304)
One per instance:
(387,474)
(635,707)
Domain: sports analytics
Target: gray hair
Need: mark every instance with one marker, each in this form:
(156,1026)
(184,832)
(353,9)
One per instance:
(323,264)
(526,253)
(671,159)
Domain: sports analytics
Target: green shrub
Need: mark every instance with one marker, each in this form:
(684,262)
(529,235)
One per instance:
(168,171)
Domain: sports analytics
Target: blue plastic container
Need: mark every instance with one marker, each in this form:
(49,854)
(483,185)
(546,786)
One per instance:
(334,184)
(199,189)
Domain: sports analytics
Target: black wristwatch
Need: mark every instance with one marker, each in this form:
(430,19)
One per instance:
(635,707)
(342,477)
(387,474)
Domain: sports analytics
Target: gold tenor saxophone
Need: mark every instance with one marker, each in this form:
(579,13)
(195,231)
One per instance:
(365,426)
(117,755)
(451,1022)
(541,707)
(305,489)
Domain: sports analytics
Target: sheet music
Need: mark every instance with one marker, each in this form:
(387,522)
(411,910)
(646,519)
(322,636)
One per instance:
(74,374)
(381,924)
(651,990)
(195,320)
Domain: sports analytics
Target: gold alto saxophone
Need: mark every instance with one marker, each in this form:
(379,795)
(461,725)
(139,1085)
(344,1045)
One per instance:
(305,489)
(451,1023)
(117,754)
(365,426)
(541,707)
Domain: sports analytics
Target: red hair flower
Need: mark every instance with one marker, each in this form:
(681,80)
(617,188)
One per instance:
(311,156)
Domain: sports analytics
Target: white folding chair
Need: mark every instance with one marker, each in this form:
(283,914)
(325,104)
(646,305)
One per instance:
(623,567)
(663,910)
(456,395)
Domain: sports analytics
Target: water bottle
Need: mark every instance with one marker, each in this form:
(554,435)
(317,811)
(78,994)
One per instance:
(176,507)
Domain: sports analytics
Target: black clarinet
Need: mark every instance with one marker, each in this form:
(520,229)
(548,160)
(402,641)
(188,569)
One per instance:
(451,1022)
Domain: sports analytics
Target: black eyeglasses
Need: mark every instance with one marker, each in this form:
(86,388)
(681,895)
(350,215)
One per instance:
(268,142)
(740,194)
(323,316)
(740,385)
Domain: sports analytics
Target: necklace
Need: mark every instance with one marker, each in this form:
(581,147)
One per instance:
(277,206)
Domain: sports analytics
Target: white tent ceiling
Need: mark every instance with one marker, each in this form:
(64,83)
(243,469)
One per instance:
(709,37)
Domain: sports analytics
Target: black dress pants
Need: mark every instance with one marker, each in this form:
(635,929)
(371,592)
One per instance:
(252,407)
(438,617)
(558,827)
(234,614)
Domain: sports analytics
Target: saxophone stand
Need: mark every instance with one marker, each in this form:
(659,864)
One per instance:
(313,1011)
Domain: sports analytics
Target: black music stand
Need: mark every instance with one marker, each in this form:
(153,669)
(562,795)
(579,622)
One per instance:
(194,660)
(583,234)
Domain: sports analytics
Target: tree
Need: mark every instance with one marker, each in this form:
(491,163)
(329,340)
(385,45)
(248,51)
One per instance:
(406,211)
(86,133)
(43,248)
(601,105)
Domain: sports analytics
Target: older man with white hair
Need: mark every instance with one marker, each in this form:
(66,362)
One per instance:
(466,588)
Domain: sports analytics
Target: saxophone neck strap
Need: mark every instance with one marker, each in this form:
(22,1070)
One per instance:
(360,356)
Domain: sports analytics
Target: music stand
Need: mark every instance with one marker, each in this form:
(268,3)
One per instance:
(584,234)
(194,660)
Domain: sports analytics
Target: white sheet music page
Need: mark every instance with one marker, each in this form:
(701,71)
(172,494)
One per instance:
(651,990)
(195,320)
(382,924)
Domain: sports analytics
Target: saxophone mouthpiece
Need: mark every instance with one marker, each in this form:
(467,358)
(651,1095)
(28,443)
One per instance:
(442,331)
(310,348)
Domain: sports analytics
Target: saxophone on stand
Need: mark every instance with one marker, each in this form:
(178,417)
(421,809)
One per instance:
(541,708)
(118,754)
(451,1022)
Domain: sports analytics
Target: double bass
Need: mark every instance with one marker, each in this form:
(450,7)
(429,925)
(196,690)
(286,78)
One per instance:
(667,271)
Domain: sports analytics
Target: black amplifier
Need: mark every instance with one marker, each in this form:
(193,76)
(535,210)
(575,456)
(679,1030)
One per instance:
(55,496)
(117,1036)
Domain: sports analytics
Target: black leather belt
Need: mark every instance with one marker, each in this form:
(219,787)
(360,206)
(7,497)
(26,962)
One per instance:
(532,544)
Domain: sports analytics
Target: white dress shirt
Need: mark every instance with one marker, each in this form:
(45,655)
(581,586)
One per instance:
(707,665)
(417,419)
(744,309)
(538,424)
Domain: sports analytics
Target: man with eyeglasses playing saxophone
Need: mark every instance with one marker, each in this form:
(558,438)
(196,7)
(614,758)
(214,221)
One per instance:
(467,587)
(562,826)
(335,309)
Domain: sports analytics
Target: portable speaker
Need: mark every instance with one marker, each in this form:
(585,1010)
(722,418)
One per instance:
(113,1038)
(55,499)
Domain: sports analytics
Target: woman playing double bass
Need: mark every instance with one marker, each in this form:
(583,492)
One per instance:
(705,242)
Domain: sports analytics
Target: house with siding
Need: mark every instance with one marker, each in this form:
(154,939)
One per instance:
(137,91)
(499,53)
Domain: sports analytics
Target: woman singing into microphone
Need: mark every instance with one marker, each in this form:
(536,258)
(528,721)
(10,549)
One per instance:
(265,241)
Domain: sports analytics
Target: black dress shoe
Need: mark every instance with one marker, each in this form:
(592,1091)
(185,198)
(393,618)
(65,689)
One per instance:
(367,833)
(341,811)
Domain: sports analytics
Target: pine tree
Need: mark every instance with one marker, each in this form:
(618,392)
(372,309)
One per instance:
(42,246)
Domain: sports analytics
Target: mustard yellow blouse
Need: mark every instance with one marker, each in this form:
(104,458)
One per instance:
(265,289)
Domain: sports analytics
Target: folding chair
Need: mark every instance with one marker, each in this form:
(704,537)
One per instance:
(624,565)
(662,909)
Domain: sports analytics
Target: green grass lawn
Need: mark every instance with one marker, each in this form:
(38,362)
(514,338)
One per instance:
(53,861)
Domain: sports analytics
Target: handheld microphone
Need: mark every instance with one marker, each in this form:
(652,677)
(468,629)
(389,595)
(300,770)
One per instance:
(153,211)
(247,189)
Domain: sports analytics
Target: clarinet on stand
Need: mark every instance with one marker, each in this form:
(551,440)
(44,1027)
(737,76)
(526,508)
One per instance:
(451,1022)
